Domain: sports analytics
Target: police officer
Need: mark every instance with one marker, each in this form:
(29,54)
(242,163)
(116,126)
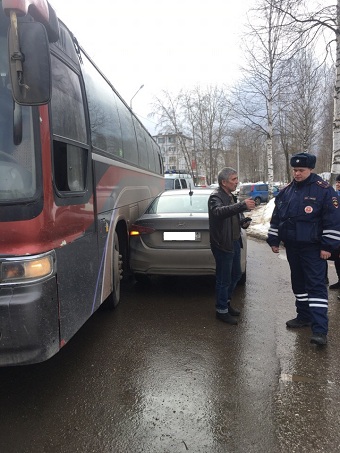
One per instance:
(306,218)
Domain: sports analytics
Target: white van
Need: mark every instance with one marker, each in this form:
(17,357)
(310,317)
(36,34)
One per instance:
(178,181)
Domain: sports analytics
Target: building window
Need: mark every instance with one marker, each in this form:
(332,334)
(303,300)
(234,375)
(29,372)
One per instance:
(172,161)
(161,140)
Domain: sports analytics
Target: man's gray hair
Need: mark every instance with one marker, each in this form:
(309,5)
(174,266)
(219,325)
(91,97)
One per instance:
(225,174)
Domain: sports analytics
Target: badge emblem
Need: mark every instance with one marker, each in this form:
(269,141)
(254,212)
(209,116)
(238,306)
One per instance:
(335,202)
(308,209)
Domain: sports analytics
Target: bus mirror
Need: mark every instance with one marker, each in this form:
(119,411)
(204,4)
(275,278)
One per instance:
(29,62)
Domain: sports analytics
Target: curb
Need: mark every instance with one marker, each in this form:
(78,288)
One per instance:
(256,234)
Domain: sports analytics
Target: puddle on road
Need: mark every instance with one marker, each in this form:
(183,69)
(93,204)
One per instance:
(297,378)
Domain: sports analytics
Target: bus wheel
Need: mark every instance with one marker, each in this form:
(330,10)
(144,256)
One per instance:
(117,270)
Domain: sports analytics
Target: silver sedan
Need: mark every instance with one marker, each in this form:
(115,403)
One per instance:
(172,237)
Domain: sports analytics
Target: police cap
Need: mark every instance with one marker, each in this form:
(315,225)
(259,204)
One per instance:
(304,160)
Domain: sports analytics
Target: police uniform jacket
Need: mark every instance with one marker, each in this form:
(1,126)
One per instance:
(306,212)
(222,207)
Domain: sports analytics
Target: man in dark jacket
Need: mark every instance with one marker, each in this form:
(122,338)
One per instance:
(306,218)
(335,255)
(225,240)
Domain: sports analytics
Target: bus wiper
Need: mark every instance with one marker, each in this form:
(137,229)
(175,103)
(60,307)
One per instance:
(17,123)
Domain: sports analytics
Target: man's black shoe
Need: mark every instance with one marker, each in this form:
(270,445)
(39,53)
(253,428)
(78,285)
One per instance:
(233,311)
(335,286)
(319,339)
(226,317)
(296,323)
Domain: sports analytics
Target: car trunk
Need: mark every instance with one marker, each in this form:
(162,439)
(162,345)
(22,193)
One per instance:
(189,232)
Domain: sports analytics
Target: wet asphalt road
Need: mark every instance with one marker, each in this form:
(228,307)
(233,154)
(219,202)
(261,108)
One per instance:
(161,374)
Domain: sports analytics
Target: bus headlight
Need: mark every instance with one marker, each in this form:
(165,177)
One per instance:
(26,269)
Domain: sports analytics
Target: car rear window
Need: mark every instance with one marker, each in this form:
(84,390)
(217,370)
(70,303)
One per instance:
(169,184)
(245,189)
(179,204)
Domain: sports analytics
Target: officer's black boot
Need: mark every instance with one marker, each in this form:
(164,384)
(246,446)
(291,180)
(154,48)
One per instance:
(319,338)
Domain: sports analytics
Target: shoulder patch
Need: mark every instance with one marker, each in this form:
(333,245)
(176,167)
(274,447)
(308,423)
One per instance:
(285,187)
(335,202)
(322,183)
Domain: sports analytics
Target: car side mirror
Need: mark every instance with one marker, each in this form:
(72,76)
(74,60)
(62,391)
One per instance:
(29,63)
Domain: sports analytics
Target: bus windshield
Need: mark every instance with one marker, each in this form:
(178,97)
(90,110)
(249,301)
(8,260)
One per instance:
(17,161)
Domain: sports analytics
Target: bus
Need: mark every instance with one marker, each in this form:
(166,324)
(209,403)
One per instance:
(77,168)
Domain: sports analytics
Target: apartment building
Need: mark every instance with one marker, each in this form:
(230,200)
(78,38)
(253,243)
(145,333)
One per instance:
(173,147)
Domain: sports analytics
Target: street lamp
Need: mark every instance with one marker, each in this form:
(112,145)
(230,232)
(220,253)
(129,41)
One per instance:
(135,95)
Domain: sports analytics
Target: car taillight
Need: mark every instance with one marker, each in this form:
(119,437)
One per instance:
(137,230)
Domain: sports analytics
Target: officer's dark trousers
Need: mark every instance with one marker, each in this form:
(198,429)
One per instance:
(308,284)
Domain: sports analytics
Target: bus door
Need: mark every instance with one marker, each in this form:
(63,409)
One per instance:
(77,257)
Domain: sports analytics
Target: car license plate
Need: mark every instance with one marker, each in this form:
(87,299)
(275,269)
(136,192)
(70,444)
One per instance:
(181,236)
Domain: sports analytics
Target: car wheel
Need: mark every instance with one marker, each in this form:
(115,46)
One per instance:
(117,274)
(117,269)
(257,201)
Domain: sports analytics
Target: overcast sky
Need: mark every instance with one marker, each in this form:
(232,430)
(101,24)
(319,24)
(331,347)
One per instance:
(163,45)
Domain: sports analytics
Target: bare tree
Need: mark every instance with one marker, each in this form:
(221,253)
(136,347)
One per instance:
(245,152)
(305,95)
(171,120)
(203,114)
(208,112)
(298,124)
(325,142)
(268,47)
(315,21)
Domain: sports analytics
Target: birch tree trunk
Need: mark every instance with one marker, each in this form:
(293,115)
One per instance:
(270,137)
(336,123)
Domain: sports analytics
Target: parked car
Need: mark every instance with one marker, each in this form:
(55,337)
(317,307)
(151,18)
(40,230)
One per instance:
(172,237)
(258,192)
(215,186)
(178,181)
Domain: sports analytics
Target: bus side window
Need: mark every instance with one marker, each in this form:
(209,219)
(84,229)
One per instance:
(128,133)
(106,132)
(70,163)
(151,154)
(141,144)
(157,166)
(67,107)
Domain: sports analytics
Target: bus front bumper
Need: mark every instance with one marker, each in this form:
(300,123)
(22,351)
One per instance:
(29,324)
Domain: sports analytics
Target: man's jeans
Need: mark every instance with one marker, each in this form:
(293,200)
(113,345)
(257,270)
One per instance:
(228,273)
